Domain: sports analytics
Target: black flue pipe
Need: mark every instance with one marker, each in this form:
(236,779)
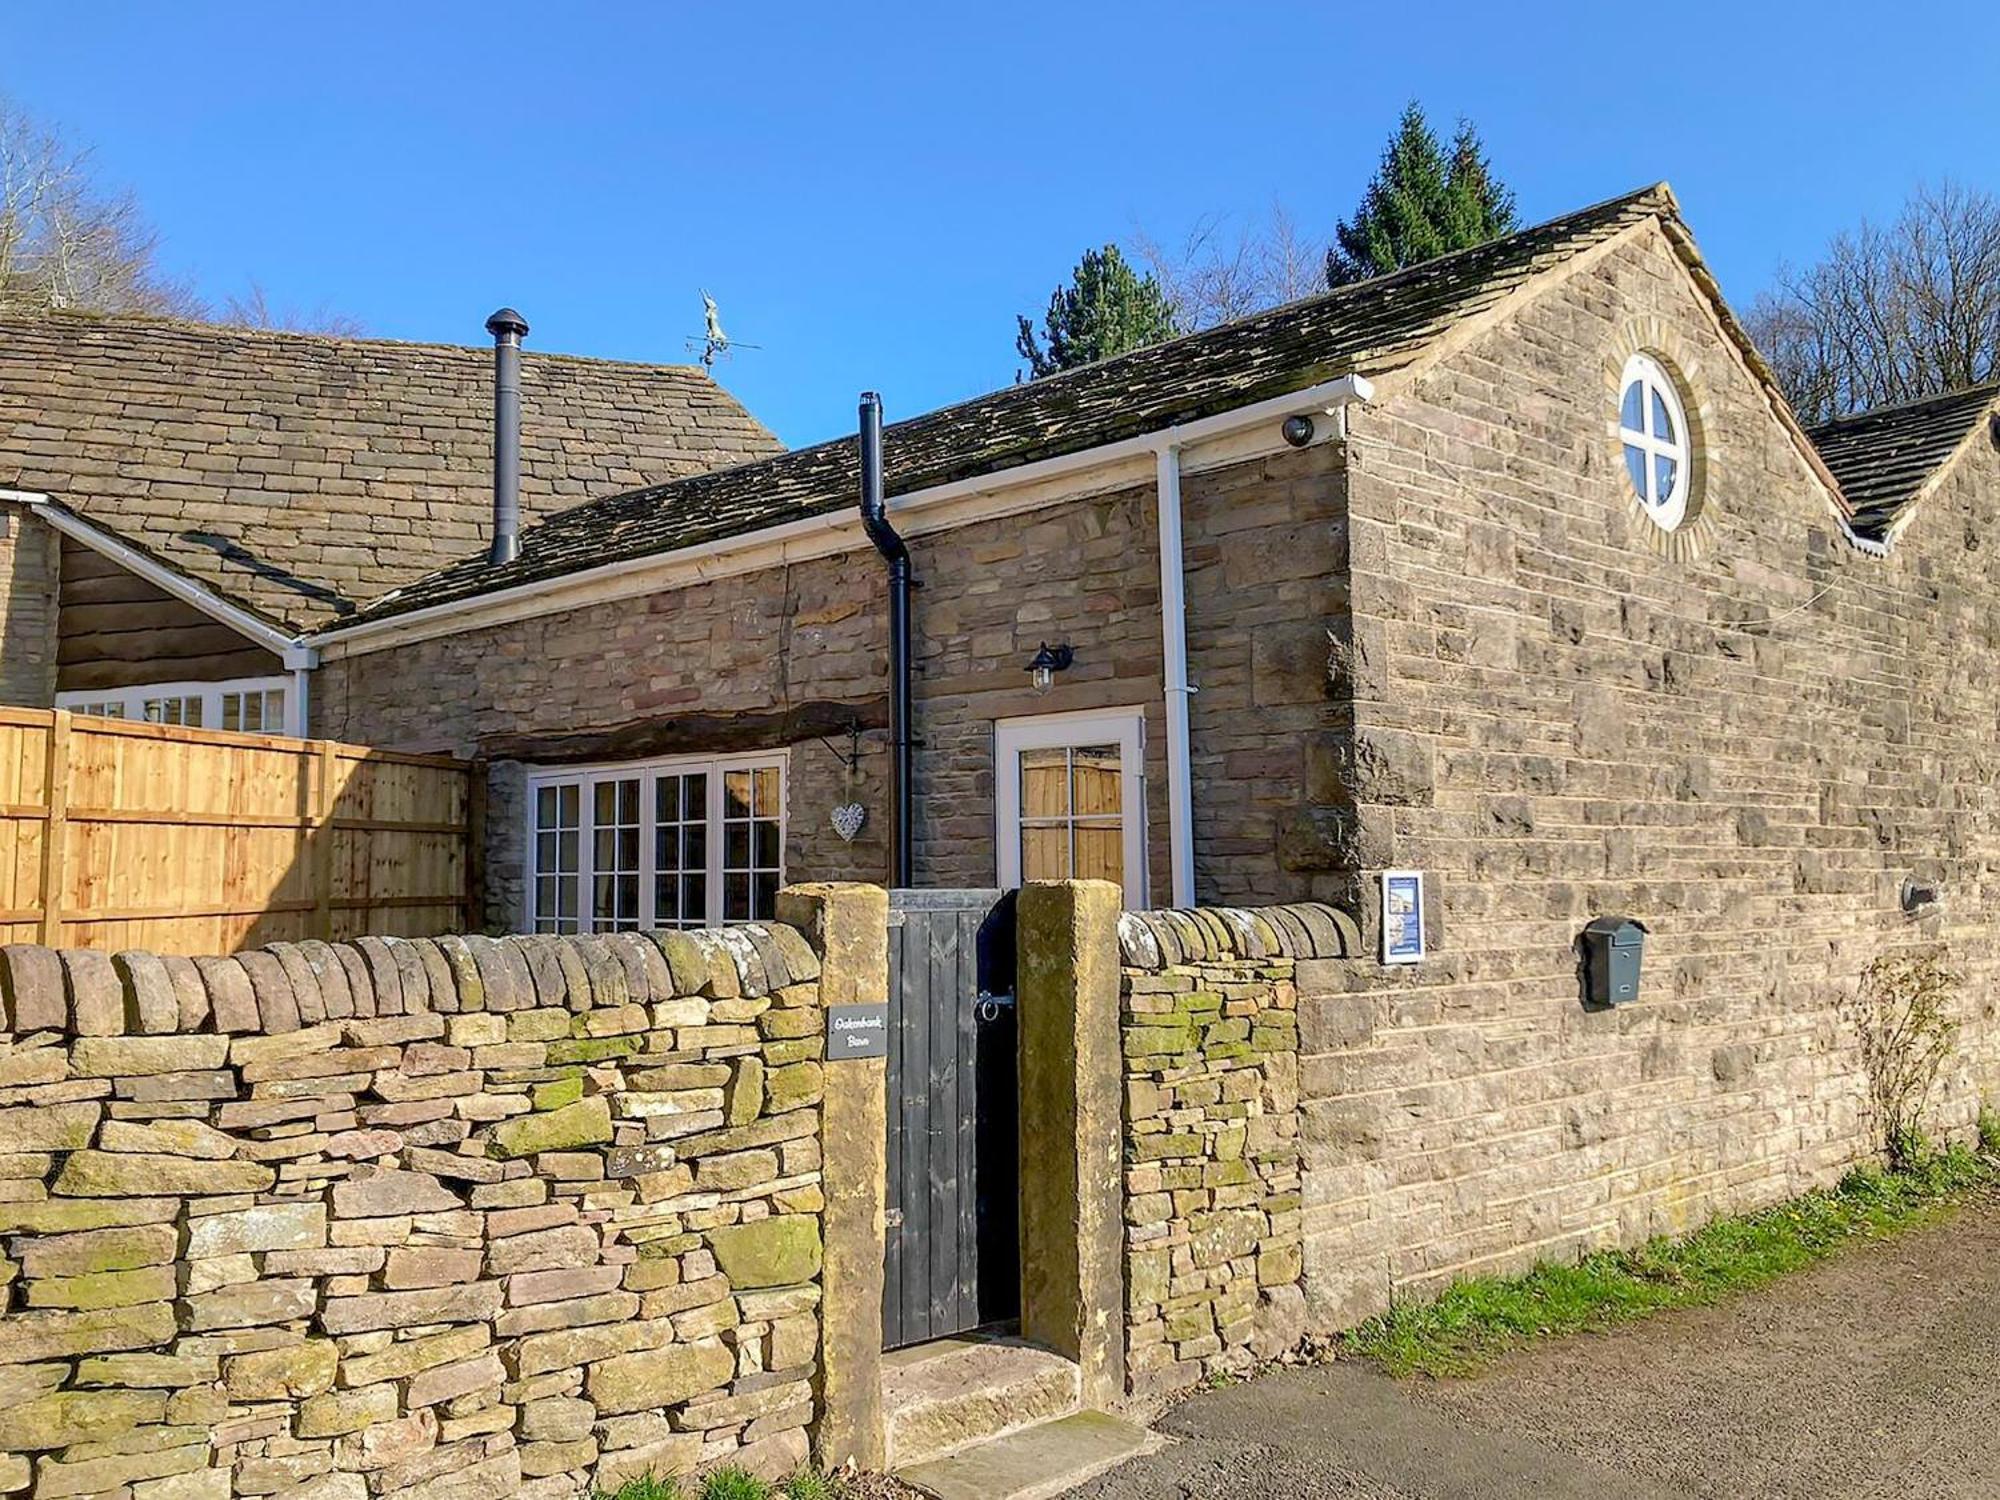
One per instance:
(875,521)
(507,328)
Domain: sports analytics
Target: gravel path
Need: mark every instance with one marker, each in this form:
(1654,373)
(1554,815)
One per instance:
(1875,1373)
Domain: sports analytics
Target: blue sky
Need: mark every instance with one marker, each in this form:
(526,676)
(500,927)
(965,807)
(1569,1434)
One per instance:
(872,192)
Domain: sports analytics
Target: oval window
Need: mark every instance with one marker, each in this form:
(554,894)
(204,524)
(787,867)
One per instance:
(1652,425)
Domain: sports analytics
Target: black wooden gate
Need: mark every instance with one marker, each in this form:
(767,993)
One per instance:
(954,1211)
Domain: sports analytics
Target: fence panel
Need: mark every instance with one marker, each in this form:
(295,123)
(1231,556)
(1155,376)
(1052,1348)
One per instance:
(197,841)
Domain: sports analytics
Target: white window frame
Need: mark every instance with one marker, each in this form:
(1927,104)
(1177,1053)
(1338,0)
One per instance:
(133,700)
(1123,727)
(587,778)
(1669,510)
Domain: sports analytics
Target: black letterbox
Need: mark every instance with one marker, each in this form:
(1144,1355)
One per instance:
(1612,948)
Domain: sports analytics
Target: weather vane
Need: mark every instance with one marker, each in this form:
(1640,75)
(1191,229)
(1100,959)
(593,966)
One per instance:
(714,343)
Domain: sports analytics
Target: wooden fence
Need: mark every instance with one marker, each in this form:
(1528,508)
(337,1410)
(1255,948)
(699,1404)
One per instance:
(196,841)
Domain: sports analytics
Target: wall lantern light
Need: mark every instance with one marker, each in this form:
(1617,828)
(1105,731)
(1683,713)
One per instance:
(1049,661)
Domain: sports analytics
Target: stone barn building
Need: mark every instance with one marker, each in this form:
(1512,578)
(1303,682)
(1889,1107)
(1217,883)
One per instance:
(1513,569)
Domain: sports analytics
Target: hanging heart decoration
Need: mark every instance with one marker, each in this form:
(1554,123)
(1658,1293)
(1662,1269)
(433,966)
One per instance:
(848,818)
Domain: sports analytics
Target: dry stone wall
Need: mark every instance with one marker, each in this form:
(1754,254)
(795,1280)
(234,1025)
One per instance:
(445,1218)
(1213,1228)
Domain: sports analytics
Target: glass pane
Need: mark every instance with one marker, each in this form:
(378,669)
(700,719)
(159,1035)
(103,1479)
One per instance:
(628,848)
(1635,467)
(1097,784)
(604,802)
(736,794)
(568,846)
(232,711)
(765,892)
(694,797)
(545,807)
(667,848)
(545,901)
(694,847)
(1663,478)
(274,708)
(1044,783)
(666,901)
(604,849)
(1663,425)
(545,852)
(566,899)
(191,712)
(603,898)
(1100,852)
(694,899)
(736,846)
(1633,411)
(767,793)
(1045,852)
(628,801)
(736,898)
(767,845)
(570,797)
(667,799)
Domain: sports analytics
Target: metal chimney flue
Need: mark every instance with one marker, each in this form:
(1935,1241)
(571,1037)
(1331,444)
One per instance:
(508,328)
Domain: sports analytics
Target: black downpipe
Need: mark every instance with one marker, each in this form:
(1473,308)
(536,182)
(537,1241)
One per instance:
(875,521)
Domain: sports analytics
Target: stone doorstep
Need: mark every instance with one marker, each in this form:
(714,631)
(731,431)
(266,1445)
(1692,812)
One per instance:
(940,1398)
(1034,1463)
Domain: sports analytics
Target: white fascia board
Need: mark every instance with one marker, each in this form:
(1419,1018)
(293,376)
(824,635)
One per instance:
(291,648)
(1024,487)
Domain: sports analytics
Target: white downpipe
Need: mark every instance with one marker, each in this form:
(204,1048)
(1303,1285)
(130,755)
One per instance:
(1173,640)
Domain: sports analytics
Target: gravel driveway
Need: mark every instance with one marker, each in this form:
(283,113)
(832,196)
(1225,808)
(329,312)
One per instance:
(1876,1373)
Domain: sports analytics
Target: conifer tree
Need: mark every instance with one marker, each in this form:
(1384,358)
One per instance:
(1424,201)
(1106,309)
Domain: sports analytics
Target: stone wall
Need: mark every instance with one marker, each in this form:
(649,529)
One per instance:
(29,560)
(730,665)
(1747,743)
(458,1217)
(1209,1022)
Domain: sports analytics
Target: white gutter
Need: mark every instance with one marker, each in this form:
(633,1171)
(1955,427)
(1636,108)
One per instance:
(292,649)
(814,536)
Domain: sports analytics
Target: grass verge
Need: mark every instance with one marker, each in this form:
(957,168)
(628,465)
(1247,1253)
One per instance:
(729,1483)
(1478,1320)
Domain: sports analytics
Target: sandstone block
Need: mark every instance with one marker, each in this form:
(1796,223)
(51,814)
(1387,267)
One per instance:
(390,1193)
(658,1377)
(250,1306)
(562,1248)
(668,1456)
(385,1444)
(447,1382)
(585,1123)
(769,1252)
(96,994)
(232,1002)
(60,1418)
(167,1138)
(428,1266)
(31,983)
(556,1419)
(409,1356)
(151,1005)
(105,1288)
(111,1174)
(34,1336)
(130,1056)
(99,1475)
(289,1371)
(268,1226)
(478,1302)
(333,1414)
(48,1127)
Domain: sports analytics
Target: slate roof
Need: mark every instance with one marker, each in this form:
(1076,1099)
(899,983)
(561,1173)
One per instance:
(302,476)
(1370,328)
(1883,458)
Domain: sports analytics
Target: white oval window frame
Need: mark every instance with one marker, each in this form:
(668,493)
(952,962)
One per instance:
(1669,511)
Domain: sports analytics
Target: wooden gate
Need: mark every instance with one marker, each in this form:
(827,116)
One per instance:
(953,1261)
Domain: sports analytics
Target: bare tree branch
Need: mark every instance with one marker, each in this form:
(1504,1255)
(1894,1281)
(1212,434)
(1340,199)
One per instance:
(1216,273)
(1891,313)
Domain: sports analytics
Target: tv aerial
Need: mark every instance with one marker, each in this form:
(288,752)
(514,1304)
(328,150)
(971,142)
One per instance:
(714,344)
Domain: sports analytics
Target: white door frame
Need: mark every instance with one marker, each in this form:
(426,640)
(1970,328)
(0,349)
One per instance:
(1123,727)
